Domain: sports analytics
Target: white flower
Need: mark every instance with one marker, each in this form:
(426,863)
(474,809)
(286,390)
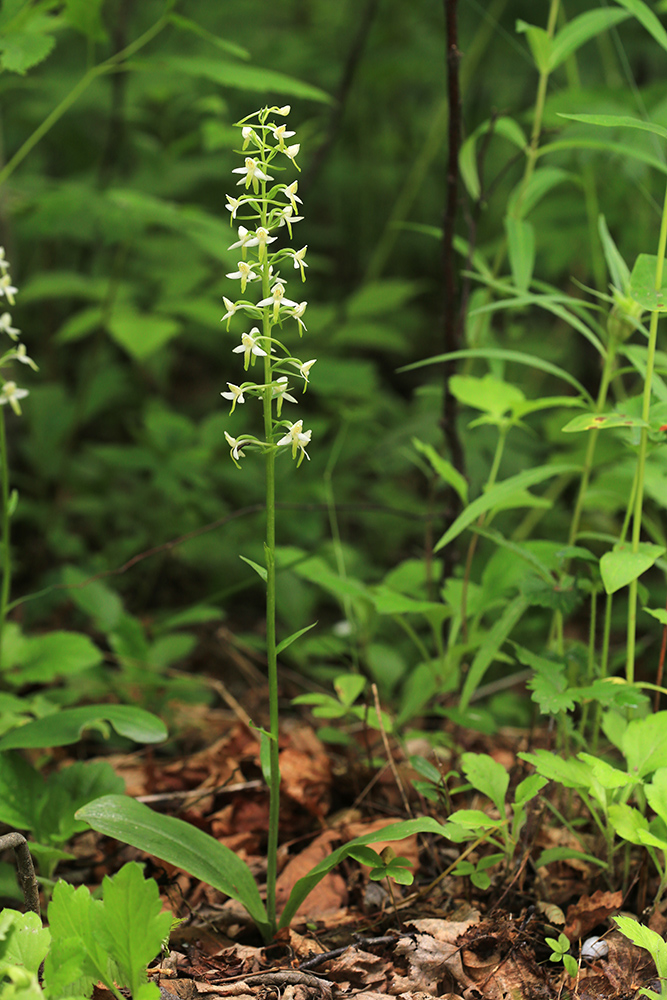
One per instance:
(21,356)
(249,347)
(235,446)
(245,273)
(297,313)
(292,151)
(286,217)
(280,393)
(6,325)
(236,395)
(231,308)
(298,438)
(285,110)
(277,299)
(304,369)
(234,205)
(252,174)
(259,239)
(6,288)
(291,192)
(11,394)
(298,257)
(280,133)
(247,134)
(4,263)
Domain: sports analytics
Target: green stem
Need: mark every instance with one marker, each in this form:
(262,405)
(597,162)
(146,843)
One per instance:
(643,446)
(4,529)
(270,553)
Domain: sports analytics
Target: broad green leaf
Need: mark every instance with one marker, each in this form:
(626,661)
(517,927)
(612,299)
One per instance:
(607,146)
(501,354)
(564,854)
(580,30)
(601,422)
(474,819)
(94,597)
(45,658)
(388,601)
(392,833)
(656,793)
(627,822)
(444,469)
(499,494)
(621,566)
(259,570)
(29,44)
(141,334)
(618,269)
(647,18)
(22,792)
(503,126)
(489,648)
(659,613)
(68,725)
(608,776)
(348,687)
(283,645)
(525,197)
(66,791)
(487,776)
(487,393)
(135,928)
(521,247)
(528,789)
(540,44)
(618,121)
(381,297)
(180,844)
(241,77)
(25,943)
(644,744)
(642,284)
(570,772)
(85,16)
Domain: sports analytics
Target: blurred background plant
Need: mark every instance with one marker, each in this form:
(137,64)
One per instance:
(116,228)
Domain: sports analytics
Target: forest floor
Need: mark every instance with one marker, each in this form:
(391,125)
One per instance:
(440,937)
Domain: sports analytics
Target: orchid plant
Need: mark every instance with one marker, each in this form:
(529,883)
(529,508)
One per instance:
(10,394)
(265,208)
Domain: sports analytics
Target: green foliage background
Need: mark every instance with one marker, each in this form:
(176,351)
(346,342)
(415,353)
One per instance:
(117,232)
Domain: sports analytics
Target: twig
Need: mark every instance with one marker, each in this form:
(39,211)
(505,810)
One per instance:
(387,750)
(25,868)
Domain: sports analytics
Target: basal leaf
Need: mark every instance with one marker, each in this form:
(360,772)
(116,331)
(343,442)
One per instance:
(180,844)
(68,725)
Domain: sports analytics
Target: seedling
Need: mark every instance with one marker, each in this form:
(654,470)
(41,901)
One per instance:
(560,952)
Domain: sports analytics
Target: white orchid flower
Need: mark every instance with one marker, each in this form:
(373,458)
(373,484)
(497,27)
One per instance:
(280,394)
(20,355)
(292,197)
(244,239)
(304,369)
(277,299)
(286,217)
(233,206)
(4,263)
(252,174)
(280,133)
(6,326)
(235,447)
(299,258)
(298,439)
(231,308)
(297,314)
(11,394)
(249,347)
(235,394)
(292,152)
(245,273)
(7,289)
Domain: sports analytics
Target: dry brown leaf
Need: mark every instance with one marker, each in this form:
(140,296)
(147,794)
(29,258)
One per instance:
(590,911)
(329,895)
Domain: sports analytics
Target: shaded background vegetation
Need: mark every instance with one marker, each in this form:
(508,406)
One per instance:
(116,227)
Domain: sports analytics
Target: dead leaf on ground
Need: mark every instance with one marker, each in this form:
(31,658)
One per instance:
(590,911)
(329,895)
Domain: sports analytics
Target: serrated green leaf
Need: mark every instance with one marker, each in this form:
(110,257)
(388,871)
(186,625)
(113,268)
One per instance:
(25,943)
(644,744)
